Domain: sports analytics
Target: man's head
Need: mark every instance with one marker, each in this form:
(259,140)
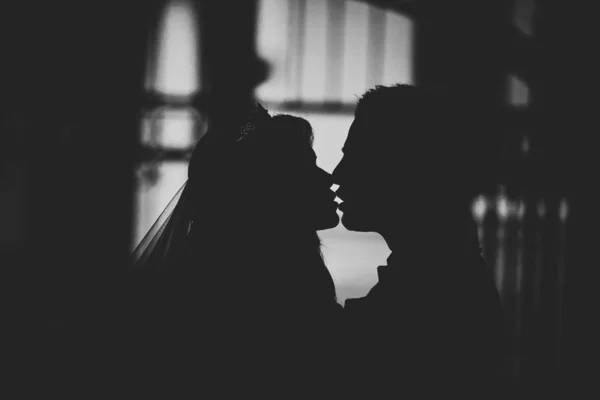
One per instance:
(402,155)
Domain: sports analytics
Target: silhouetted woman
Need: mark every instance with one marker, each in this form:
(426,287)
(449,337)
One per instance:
(237,277)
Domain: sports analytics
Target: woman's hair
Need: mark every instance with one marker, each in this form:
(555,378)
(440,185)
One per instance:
(300,130)
(256,235)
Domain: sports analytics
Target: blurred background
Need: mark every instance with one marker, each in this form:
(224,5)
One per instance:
(103,104)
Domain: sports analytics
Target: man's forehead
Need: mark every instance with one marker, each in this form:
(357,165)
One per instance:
(355,136)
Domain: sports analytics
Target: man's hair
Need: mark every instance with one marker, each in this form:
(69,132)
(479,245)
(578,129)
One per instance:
(384,96)
(404,105)
(414,125)
(413,118)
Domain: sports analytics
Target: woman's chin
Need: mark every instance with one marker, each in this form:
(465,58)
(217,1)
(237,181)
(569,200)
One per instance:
(329,221)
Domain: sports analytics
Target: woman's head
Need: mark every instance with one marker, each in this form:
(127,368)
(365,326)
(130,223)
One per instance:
(300,189)
(268,176)
(263,197)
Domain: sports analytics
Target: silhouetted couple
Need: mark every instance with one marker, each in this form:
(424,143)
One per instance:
(237,295)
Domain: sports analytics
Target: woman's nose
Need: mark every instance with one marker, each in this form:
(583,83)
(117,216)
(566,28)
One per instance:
(325,177)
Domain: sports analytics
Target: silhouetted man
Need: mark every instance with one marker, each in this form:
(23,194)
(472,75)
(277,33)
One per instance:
(433,323)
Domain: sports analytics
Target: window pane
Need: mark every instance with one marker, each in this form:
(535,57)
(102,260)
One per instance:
(177,64)
(356,34)
(518,92)
(153,197)
(313,61)
(171,128)
(397,65)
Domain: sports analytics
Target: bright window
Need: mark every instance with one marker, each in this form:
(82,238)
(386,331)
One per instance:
(301,44)
(319,51)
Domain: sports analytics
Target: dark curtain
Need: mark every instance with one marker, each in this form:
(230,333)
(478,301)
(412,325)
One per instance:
(72,75)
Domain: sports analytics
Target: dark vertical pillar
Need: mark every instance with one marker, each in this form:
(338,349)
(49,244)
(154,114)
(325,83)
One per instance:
(561,137)
(529,305)
(562,76)
(76,74)
(230,67)
(569,69)
(460,51)
(549,308)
